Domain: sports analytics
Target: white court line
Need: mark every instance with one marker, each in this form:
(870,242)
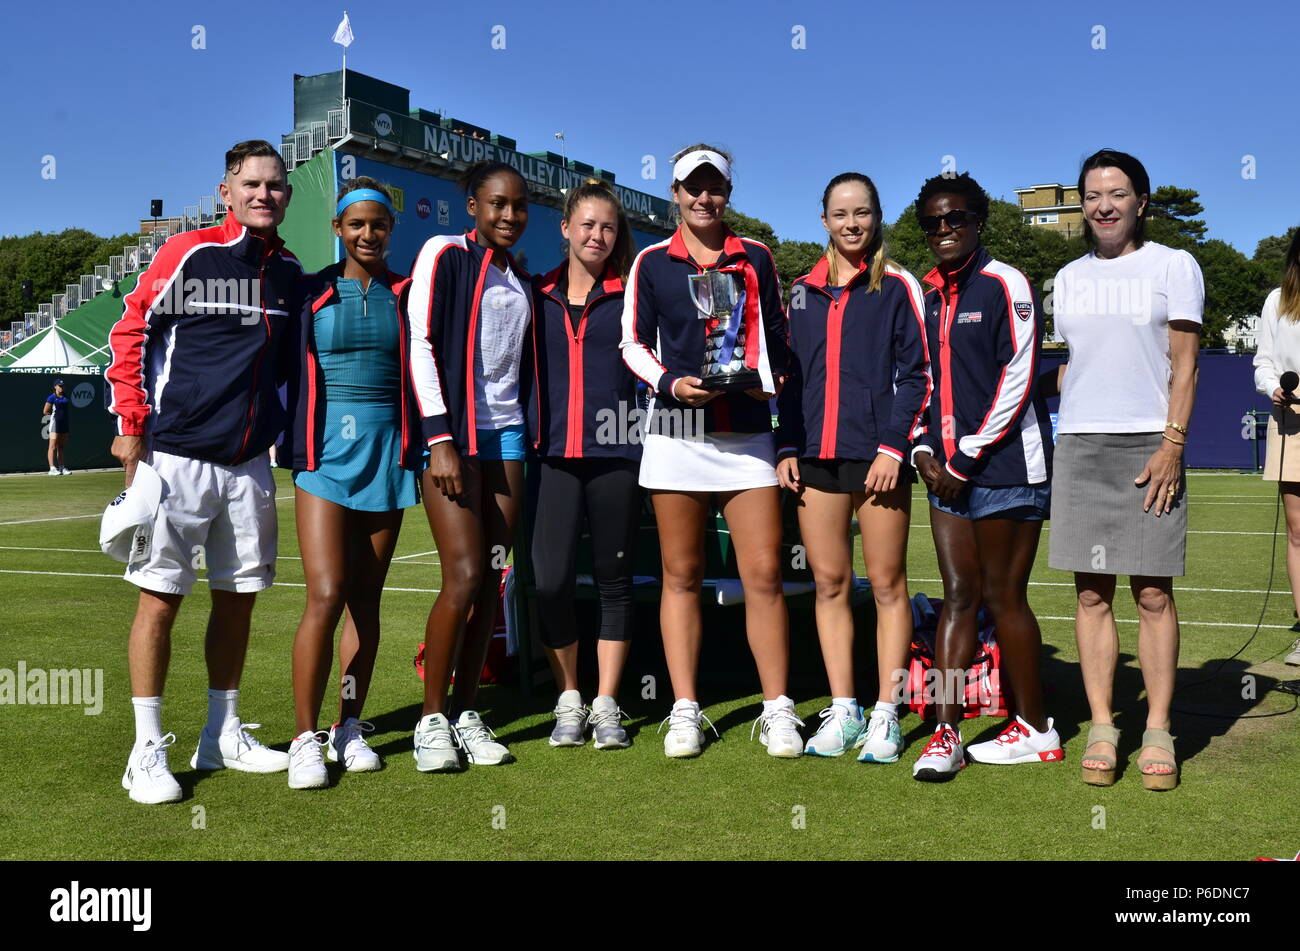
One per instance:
(418,554)
(915,527)
(294,584)
(96,551)
(65,518)
(60,518)
(84,551)
(1181,621)
(282,584)
(1070,584)
(1039,584)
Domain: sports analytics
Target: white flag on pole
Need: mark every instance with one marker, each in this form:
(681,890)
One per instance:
(343,35)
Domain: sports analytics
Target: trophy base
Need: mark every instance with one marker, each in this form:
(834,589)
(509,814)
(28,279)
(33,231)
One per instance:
(726,382)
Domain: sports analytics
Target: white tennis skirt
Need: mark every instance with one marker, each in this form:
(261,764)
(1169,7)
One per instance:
(725,462)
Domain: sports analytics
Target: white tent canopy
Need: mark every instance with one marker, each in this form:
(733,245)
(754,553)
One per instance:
(53,350)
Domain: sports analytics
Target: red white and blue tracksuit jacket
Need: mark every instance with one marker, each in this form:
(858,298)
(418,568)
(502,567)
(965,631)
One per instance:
(583,384)
(304,438)
(859,369)
(989,424)
(664,336)
(201,345)
(443,305)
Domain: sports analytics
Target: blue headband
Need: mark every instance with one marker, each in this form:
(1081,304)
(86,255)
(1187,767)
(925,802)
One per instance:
(365,194)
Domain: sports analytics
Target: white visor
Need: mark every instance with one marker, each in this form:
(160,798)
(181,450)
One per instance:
(126,531)
(693,160)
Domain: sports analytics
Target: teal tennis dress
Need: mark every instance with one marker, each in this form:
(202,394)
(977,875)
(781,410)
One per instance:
(358,346)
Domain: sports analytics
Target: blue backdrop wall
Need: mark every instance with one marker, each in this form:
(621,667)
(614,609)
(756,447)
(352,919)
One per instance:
(1222,432)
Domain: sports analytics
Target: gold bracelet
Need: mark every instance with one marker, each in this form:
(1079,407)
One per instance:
(1176,442)
(1176,428)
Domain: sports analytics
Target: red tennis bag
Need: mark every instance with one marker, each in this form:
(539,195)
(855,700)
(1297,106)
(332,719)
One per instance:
(496,669)
(987,694)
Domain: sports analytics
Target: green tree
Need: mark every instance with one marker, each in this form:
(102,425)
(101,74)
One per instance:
(905,243)
(1178,206)
(50,262)
(796,258)
(748,227)
(793,258)
(1232,289)
(1270,258)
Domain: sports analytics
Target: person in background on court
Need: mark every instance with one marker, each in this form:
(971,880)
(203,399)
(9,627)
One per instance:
(1279,353)
(56,408)
(1119,502)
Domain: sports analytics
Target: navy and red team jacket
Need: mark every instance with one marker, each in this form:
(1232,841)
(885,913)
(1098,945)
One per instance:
(581,378)
(443,303)
(200,346)
(663,335)
(859,370)
(304,438)
(989,424)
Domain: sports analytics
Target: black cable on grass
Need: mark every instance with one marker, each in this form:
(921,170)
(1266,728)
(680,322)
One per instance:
(1268,589)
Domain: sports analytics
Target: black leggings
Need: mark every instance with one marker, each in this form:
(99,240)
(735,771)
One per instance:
(607,490)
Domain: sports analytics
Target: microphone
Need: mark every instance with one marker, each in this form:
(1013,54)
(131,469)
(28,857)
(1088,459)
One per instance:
(1288,382)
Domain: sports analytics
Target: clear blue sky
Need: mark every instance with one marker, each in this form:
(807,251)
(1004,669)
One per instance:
(1014,90)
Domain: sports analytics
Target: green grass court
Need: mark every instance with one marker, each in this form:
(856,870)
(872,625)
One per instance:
(65,605)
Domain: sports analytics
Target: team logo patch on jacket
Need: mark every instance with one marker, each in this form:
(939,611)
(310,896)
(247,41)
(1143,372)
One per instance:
(970,317)
(1024,309)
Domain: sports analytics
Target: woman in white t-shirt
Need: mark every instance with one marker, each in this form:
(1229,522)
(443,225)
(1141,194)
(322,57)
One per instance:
(1279,351)
(1130,312)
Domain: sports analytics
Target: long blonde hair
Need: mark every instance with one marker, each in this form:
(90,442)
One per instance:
(875,250)
(1289,307)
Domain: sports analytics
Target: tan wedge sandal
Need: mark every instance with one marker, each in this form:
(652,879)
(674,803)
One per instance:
(1101,733)
(1160,739)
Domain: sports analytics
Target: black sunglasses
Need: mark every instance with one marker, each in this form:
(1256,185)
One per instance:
(955,219)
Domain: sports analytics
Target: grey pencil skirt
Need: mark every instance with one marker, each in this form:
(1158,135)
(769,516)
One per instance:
(1098,525)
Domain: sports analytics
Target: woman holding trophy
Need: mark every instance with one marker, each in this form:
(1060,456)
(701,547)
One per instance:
(703,326)
(858,389)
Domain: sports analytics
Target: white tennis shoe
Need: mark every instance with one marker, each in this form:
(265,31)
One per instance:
(148,779)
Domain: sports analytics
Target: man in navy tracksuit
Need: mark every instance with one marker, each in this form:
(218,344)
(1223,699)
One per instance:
(196,361)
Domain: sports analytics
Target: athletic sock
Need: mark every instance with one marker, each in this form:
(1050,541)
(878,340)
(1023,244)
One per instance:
(148,719)
(849,705)
(890,708)
(780,701)
(221,710)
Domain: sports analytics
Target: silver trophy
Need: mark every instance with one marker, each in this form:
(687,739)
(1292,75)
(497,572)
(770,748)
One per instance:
(718,296)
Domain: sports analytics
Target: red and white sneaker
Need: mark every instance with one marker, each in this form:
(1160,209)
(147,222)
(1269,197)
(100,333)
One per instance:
(1020,743)
(942,758)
